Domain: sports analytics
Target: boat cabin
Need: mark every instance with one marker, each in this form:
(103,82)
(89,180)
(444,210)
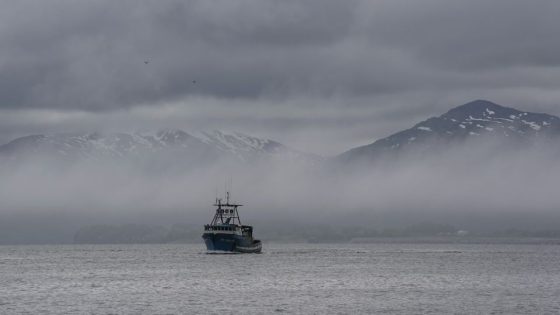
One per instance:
(245,230)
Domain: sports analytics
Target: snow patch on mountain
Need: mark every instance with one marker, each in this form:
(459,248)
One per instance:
(531,124)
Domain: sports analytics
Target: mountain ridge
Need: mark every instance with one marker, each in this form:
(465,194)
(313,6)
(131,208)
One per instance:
(479,118)
(212,145)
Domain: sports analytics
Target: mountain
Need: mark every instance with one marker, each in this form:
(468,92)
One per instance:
(247,148)
(477,120)
(471,122)
(164,146)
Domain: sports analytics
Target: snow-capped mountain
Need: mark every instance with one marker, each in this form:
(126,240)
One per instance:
(246,148)
(475,120)
(204,146)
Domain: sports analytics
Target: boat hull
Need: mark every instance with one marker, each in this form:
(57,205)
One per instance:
(255,247)
(231,243)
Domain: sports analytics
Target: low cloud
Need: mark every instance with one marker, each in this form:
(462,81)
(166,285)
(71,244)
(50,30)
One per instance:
(471,187)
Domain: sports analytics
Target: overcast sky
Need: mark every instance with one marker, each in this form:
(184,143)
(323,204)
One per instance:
(321,76)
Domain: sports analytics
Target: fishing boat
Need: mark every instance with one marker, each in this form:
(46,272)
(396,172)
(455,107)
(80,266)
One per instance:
(226,233)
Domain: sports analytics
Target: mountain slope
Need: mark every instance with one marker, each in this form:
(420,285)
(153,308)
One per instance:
(247,148)
(475,120)
(163,145)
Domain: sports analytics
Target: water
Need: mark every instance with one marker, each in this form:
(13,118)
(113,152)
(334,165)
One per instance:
(291,279)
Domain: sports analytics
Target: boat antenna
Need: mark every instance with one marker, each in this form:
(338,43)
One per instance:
(230,182)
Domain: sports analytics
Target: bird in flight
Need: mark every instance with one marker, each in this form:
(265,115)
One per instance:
(146,62)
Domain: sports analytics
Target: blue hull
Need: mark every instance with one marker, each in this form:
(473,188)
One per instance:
(230,243)
(224,242)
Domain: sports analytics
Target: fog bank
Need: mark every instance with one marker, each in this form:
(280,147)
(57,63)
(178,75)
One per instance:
(471,187)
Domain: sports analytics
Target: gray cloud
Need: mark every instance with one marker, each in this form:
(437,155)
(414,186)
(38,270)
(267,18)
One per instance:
(63,54)
(469,36)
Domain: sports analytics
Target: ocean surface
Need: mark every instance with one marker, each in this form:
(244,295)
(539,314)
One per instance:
(286,278)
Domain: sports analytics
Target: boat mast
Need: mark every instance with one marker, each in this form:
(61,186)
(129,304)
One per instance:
(226,213)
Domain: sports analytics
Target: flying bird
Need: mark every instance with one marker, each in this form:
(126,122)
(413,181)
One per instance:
(146,62)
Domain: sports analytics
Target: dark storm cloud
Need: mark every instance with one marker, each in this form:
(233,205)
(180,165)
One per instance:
(91,55)
(469,35)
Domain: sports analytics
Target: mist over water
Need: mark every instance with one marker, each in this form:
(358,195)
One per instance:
(480,187)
